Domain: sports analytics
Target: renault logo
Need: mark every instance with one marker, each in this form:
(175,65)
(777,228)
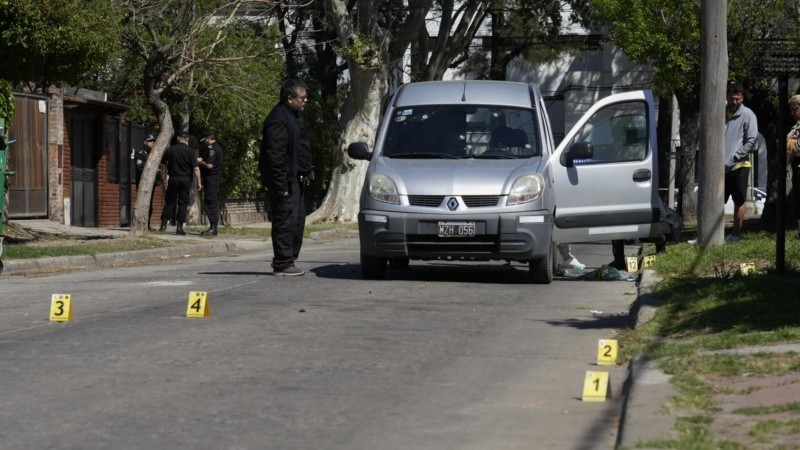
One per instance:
(452,204)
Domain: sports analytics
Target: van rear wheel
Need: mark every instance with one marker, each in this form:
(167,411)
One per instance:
(541,270)
(373,267)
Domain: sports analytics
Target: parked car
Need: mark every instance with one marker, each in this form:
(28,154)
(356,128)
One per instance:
(467,170)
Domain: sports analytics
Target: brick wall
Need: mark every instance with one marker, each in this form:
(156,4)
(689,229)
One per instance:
(242,210)
(158,203)
(55,157)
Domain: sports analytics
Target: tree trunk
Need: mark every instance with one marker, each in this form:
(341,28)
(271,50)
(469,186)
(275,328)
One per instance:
(686,174)
(713,75)
(144,191)
(341,203)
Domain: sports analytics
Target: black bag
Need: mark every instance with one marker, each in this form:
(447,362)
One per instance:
(671,225)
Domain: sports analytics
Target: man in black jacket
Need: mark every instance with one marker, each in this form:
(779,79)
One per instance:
(210,168)
(181,163)
(285,164)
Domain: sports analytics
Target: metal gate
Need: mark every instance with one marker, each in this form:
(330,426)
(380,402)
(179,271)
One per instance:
(27,195)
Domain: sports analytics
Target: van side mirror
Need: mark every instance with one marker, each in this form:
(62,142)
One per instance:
(359,150)
(578,151)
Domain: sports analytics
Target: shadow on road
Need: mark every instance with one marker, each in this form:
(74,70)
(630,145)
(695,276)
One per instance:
(605,321)
(435,271)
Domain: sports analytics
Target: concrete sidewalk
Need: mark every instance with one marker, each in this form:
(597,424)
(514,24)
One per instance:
(647,389)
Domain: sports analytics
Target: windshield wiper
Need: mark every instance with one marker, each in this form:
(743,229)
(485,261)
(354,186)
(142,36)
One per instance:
(423,155)
(494,156)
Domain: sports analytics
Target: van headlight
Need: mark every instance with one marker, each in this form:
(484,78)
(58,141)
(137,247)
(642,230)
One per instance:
(526,188)
(383,189)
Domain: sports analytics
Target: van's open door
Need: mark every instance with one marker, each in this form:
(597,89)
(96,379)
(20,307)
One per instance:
(605,172)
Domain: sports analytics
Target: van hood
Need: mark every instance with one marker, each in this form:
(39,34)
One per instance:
(455,177)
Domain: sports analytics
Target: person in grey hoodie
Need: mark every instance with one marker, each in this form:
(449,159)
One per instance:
(741,134)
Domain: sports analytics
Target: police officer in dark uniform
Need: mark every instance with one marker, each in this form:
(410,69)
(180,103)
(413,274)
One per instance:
(210,169)
(181,162)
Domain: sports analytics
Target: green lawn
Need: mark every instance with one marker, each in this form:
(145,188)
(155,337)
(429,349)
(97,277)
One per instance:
(710,305)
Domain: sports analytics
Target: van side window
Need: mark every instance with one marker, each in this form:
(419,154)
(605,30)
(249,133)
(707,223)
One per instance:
(618,133)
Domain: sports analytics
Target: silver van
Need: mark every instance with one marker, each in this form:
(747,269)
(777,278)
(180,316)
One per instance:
(468,170)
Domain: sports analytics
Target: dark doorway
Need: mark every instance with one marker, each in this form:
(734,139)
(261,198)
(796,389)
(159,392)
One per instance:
(85,158)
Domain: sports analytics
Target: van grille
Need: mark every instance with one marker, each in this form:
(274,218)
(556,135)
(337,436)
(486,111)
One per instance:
(481,201)
(472,201)
(430,201)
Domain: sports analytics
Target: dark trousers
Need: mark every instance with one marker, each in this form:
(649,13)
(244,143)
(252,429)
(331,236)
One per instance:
(618,250)
(210,202)
(288,215)
(177,197)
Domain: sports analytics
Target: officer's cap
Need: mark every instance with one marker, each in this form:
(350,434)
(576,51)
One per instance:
(183,133)
(208,134)
(150,137)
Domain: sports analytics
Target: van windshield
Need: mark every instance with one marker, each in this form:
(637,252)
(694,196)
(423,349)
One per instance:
(462,131)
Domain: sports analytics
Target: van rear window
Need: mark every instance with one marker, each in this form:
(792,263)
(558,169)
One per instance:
(462,131)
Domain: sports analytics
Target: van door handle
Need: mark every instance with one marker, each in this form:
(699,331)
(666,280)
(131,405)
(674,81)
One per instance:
(641,175)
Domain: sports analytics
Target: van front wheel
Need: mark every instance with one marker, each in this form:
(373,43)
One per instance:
(373,267)
(541,270)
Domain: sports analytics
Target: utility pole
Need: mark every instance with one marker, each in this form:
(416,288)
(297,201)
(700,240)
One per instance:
(711,167)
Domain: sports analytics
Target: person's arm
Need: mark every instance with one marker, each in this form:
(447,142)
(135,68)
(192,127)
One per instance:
(749,136)
(197,177)
(276,154)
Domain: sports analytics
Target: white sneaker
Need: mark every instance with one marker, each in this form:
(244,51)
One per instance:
(733,239)
(574,263)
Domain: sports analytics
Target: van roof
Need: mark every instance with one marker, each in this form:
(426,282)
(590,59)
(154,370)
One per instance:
(481,92)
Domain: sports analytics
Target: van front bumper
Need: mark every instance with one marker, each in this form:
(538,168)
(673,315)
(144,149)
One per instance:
(514,236)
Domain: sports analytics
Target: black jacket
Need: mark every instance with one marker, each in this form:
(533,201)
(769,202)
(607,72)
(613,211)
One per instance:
(213,156)
(181,161)
(285,151)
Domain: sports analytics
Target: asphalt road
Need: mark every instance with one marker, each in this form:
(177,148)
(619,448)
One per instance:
(444,356)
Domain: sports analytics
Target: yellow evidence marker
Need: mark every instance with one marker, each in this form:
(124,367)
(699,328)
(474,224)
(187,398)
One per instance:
(631,264)
(648,260)
(595,387)
(607,352)
(61,308)
(748,268)
(198,304)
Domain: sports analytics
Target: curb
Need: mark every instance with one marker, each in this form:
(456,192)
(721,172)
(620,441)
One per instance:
(82,262)
(647,388)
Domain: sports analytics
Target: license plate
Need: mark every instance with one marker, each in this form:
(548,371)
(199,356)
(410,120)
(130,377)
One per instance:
(456,229)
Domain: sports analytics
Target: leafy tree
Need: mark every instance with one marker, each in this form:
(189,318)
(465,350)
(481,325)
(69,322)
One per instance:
(666,34)
(373,37)
(56,40)
(6,101)
(190,52)
(53,42)
(232,101)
